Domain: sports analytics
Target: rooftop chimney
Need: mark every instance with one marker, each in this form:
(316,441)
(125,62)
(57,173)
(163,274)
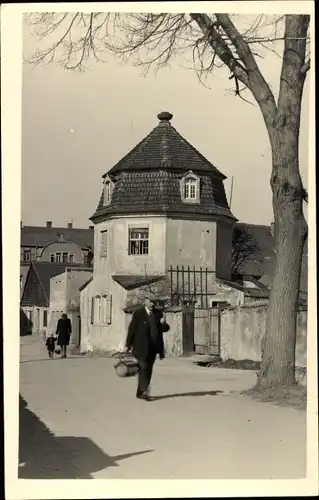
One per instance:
(70,225)
(49,223)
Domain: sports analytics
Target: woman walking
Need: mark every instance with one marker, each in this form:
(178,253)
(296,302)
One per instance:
(63,332)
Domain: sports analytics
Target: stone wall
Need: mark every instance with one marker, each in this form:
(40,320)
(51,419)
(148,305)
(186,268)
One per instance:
(242,329)
(173,339)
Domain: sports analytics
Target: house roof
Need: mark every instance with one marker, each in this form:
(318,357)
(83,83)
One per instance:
(261,261)
(129,282)
(86,284)
(37,286)
(147,179)
(36,236)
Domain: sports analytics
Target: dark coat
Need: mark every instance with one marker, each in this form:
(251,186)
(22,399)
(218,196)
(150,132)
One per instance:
(139,335)
(50,343)
(63,331)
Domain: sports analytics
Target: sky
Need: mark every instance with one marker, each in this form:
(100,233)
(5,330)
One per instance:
(76,126)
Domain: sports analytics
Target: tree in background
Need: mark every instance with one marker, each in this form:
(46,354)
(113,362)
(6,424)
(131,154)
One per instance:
(244,250)
(215,41)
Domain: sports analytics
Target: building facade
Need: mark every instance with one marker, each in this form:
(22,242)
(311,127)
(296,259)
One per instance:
(65,298)
(162,205)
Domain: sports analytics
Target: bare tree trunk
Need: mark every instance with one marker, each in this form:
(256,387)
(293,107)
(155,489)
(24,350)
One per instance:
(279,342)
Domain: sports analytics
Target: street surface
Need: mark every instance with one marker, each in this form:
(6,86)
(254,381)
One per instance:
(79,420)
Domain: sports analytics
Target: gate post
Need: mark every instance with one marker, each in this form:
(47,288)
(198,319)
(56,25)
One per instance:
(188,329)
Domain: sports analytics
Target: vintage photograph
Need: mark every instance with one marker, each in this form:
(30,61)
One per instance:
(164,245)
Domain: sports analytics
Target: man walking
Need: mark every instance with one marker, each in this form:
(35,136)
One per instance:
(63,332)
(145,339)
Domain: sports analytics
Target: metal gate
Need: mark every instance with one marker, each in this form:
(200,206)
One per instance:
(207,331)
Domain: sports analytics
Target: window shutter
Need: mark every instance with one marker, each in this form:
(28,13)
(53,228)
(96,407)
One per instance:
(92,310)
(108,305)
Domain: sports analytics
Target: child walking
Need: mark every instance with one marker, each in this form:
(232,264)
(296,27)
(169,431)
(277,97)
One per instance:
(50,345)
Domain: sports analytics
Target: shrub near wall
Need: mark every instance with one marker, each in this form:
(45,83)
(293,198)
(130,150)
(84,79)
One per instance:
(242,330)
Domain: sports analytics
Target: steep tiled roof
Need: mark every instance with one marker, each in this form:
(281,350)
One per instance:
(147,179)
(37,287)
(164,148)
(32,236)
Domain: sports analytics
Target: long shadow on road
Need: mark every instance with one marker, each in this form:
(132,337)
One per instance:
(187,394)
(42,455)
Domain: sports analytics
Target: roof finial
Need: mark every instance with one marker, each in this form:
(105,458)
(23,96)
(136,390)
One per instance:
(165,116)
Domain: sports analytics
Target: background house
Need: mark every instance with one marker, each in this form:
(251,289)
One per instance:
(65,298)
(67,245)
(35,300)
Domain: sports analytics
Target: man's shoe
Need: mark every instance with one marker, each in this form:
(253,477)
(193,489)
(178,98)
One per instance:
(144,396)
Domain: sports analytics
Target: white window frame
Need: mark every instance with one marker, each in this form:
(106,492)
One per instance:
(26,251)
(102,309)
(104,241)
(190,188)
(52,255)
(67,257)
(107,191)
(139,240)
(56,257)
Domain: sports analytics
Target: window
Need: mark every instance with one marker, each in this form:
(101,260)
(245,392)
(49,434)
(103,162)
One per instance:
(45,319)
(65,256)
(107,193)
(92,310)
(106,309)
(26,255)
(138,241)
(71,258)
(103,243)
(98,309)
(190,188)
(58,257)
(52,257)
(101,309)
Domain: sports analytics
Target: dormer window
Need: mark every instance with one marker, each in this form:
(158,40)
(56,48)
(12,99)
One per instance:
(107,193)
(190,185)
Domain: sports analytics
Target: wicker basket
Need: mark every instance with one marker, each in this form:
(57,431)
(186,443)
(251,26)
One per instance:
(127,366)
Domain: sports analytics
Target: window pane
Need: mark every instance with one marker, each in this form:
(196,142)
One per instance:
(65,257)
(26,255)
(107,193)
(71,258)
(58,257)
(52,259)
